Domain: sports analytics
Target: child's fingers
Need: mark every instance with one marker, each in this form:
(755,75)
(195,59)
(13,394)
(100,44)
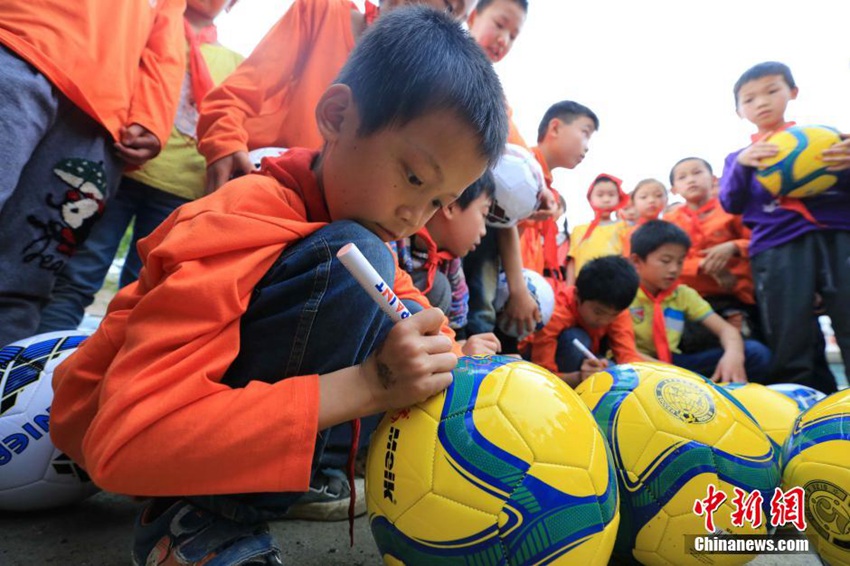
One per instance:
(441,363)
(436,344)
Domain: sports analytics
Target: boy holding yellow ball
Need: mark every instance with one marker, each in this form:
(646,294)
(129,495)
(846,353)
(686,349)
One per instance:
(799,249)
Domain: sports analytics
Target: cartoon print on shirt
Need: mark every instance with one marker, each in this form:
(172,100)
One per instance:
(76,213)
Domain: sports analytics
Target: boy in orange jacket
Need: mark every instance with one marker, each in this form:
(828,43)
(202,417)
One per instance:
(270,99)
(77,108)
(594,311)
(215,403)
(717,265)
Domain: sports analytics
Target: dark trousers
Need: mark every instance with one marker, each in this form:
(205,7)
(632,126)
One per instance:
(787,278)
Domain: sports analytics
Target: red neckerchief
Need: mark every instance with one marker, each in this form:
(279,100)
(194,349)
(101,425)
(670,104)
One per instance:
(659,329)
(370,12)
(199,73)
(435,257)
(695,216)
(600,212)
(788,203)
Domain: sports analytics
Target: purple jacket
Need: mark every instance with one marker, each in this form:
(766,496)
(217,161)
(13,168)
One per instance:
(772,225)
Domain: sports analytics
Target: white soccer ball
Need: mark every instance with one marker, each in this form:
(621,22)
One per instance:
(256,156)
(519,180)
(540,290)
(33,473)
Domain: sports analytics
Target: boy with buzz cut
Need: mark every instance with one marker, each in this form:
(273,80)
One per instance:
(662,305)
(594,311)
(798,248)
(215,404)
(433,257)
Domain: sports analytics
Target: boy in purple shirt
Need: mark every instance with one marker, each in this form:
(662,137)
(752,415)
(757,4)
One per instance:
(797,252)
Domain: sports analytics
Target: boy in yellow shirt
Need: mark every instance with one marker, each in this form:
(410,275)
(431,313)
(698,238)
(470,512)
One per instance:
(662,306)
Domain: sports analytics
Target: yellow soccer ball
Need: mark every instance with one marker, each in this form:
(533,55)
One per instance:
(507,466)
(673,434)
(817,458)
(797,170)
(773,411)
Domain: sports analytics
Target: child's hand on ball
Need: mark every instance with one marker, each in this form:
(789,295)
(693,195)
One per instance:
(838,156)
(752,156)
(414,362)
(485,344)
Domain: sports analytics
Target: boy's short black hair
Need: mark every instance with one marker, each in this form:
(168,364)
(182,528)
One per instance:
(655,234)
(566,111)
(485,184)
(766,69)
(610,280)
(415,60)
(704,162)
(482,5)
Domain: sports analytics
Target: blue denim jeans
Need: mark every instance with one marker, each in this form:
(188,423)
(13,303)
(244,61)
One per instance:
(757,358)
(85,272)
(567,356)
(308,315)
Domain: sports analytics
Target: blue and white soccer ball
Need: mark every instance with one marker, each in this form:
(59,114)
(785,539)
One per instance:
(256,156)
(803,395)
(541,292)
(33,473)
(519,179)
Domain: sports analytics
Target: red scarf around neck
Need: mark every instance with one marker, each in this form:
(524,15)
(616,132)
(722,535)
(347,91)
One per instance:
(695,230)
(199,73)
(435,257)
(600,212)
(659,329)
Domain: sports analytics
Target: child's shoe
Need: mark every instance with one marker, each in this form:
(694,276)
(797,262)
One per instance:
(328,498)
(185,535)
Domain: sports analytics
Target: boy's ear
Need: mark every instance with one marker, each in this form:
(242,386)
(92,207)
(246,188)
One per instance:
(333,109)
(635,259)
(794,92)
(450,210)
(470,19)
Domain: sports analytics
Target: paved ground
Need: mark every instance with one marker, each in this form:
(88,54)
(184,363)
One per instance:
(98,532)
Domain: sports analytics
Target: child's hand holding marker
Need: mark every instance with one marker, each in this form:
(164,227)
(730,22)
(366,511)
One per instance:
(416,359)
(591,364)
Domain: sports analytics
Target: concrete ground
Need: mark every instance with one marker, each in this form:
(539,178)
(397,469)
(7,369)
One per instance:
(98,532)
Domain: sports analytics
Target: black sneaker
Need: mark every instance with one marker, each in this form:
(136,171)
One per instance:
(185,535)
(328,498)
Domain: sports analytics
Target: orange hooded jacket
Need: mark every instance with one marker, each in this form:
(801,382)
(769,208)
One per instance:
(141,405)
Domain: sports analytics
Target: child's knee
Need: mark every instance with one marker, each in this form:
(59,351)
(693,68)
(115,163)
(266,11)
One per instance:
(375,250)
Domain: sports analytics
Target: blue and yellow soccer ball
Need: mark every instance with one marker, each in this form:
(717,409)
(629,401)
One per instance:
(673,434)
(803,395)
(507,466)
(797,170)
(772,410)
(817,458)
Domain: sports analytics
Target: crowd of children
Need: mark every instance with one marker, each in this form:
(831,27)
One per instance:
(209,387)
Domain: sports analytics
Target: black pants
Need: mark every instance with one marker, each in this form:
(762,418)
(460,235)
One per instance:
(787,278)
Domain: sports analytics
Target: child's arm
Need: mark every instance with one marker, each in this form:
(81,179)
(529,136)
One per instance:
(621,336)
(735,185)
(262,77)
(414,363)
(730,368)
(521,308)
(571,271)
(157,93)
(545,341)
